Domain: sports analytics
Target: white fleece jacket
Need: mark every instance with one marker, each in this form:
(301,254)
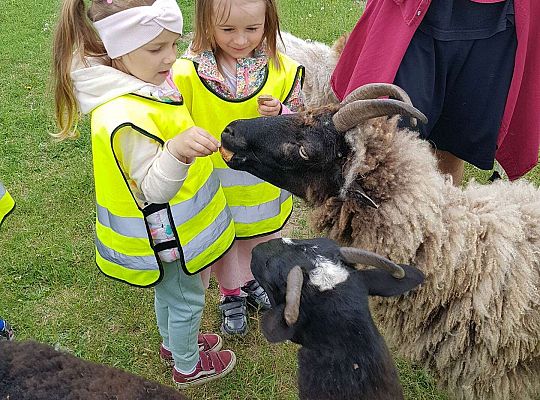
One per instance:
(156,173)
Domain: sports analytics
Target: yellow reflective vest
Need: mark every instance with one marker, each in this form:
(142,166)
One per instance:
(6,203)
(124,248)
(258,208)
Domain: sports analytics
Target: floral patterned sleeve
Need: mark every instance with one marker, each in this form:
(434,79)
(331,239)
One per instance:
(296,100)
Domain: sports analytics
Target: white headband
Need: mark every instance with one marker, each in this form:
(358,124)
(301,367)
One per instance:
(130,29)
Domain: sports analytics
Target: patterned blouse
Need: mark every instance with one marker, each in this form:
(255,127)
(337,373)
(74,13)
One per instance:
(250,75)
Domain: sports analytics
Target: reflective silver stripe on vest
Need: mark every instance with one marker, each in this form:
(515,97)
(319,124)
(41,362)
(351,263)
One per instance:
(260,212)
(2,190)
(186,210)
(230,177)
(182,212)
(139,263)
(125,226)
(195,247)
(207,236)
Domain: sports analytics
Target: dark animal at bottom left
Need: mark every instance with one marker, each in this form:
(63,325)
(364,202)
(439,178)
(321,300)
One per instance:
(35,371)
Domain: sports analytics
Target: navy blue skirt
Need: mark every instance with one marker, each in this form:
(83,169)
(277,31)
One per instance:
(461,86)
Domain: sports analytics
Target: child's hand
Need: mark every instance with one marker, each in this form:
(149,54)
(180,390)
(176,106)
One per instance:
(268,105)
(193,142)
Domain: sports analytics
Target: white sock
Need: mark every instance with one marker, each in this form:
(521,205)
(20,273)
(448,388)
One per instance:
(186,373)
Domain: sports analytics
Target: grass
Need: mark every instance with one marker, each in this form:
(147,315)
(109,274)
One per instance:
(50,288)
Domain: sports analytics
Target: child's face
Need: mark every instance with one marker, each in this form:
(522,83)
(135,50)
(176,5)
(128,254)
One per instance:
(239,34)
(151,63)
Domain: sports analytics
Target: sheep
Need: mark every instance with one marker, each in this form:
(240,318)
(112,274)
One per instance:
(475,324)
(34,371)
(321,302)
(319,61)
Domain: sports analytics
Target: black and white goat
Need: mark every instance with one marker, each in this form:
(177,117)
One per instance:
(320,301)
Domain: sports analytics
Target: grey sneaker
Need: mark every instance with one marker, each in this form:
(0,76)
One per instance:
(256,296)
(233,315)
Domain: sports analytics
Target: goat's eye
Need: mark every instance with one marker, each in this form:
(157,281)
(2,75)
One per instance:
(302,152)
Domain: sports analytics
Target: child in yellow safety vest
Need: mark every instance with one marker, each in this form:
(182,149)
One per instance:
(161,215)
(6,206)
(232,70)
(6,203)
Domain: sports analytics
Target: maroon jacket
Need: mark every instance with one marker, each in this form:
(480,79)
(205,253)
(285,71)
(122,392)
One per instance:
(378,43)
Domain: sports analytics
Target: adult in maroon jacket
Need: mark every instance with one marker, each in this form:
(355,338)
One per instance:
(473,66)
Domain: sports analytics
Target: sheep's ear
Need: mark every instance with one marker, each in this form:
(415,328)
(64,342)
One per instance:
(382,283)
(274,327)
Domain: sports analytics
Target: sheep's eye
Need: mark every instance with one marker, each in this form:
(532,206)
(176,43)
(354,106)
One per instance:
(302,153)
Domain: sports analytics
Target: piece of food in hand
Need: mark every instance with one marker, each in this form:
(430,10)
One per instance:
(264,98)
(226,154)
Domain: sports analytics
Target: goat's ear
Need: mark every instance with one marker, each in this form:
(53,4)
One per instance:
(381,283)
(274,327)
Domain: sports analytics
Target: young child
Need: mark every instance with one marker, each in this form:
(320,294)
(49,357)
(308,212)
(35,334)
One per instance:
(161,215)
(6,206)
(6,203)
(233,71)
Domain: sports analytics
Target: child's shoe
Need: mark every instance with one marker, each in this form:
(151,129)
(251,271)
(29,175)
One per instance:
(233,315)
(6,331)
(256,296)
(206,342)
(209,342)
(212,365)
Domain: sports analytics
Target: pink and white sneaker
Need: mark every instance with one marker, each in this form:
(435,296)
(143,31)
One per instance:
(212,365)
(206,341)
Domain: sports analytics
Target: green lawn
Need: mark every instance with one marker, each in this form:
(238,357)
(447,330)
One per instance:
(50,288)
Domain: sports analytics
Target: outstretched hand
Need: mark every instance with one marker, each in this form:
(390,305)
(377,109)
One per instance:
(268,105)
(193,142)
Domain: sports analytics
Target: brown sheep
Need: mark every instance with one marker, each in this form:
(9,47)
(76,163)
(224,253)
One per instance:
(373,185)
(35,371)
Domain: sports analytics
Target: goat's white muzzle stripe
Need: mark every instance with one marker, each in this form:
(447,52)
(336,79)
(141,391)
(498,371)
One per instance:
(130,29)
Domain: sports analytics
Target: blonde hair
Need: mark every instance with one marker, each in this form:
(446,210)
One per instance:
(75,35)
(204,27)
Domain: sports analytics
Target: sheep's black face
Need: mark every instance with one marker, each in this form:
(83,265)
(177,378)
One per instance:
(271,262)
(325,280)
(334,295)
(286,149)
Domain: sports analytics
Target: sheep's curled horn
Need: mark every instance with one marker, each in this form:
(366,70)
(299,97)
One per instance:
(376,90)
(363,104)
(295,278)
(358,256)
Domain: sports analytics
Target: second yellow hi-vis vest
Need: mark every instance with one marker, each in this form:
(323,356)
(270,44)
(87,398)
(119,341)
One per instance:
(124,247)
(258,208)
(6,203)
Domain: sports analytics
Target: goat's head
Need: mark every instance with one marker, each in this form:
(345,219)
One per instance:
(307,279)
(306,153)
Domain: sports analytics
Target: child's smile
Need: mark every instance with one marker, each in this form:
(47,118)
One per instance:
(239,28)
